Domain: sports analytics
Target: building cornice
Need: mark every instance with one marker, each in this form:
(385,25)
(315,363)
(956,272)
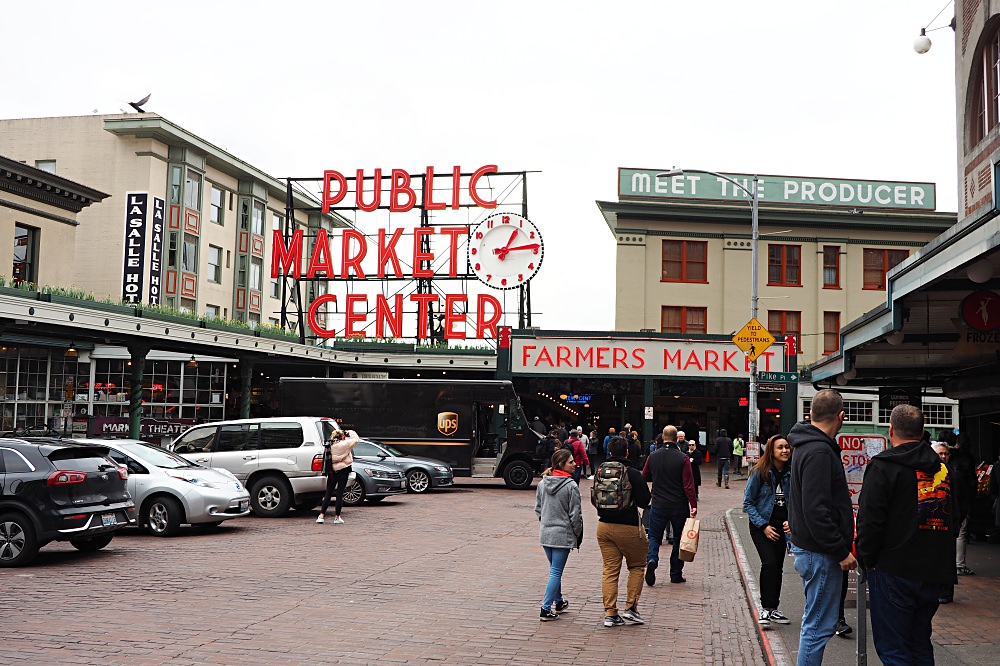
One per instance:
(44,187)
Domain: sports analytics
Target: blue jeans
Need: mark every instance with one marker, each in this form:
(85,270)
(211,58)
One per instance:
(821,581)
(723,467)
(557,562)
(901,612)
(658,521)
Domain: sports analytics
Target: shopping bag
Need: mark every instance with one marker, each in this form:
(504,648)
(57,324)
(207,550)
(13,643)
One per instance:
(689,539)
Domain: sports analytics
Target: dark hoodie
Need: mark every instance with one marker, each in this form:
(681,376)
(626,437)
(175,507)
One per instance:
(819,504)
(907,515)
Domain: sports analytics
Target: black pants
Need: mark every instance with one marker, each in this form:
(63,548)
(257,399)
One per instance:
(772,559)
(336,484)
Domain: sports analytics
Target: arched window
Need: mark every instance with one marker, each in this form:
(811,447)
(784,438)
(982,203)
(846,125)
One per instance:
(984,107)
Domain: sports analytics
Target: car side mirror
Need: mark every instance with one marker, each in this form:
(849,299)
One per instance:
(382,456)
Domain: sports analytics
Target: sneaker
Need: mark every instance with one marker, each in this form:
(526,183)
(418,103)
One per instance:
(776,615)
(965,571)
(764,618)
(681,579)
(590,478)
(561,606)
(548,615)
(651,572)
(338,520)
(632,615)
(842,628)
(319,519)
(614,621)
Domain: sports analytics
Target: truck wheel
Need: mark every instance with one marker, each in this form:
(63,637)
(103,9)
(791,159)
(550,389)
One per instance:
(92,544)
(18,544)
(418,481)
(518,475)
(270,497)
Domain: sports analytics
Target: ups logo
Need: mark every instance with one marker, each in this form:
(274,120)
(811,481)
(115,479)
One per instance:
(447,423)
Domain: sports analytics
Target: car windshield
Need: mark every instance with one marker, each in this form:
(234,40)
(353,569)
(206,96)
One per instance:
(154,455)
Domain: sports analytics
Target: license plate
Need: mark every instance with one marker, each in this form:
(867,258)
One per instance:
(245,505)
(402,484)
(109,519)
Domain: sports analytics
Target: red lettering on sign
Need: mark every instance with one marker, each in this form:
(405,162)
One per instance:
(401,185)
(350,316)
(639,358)
(451,317)
(544,357)
(585,357)
(484,323)
(524,354)
(389,314)
(352,261)
(711,359)
(602,353)
(727,362)
(675,357)
(387,252)
(618,357)
(562,355)
(693,359)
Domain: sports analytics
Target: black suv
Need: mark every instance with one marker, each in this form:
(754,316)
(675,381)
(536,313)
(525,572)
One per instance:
(55,490)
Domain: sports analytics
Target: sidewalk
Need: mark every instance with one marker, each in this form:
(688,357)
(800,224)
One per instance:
(965,632)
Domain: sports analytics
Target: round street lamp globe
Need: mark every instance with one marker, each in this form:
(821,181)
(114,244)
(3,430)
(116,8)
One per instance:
(922,44)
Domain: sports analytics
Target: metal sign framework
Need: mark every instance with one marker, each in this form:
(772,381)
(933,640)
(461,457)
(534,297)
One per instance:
(291,295)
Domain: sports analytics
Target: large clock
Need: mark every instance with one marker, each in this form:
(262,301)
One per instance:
(505,250)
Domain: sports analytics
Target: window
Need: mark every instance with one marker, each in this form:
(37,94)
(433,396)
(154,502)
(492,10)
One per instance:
(275,289)
(685,261)
(273,322)
(786,322)
(277,222)
(175,185)
(938,414)
(985,93)
(253,320)
(212,311)
(256,271)
(196,441)
(858,411)
(241,271)
(831,332)
(237,438)
(257,223)
(172,249)
(187,305)
(280,435)
(784,265)
(218,205)
(683,319)
(192,190)
(214,264)
(46,165)
(831,267)
(189,256)
(806,404)
(878,263)
(25,267)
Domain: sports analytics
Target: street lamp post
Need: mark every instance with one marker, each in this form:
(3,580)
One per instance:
(753,424)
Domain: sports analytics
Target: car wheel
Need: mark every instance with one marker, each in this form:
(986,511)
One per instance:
(92,544)
(162,516)
(418,481)
(518,475)
(18,543)
(354,494)
(270,497)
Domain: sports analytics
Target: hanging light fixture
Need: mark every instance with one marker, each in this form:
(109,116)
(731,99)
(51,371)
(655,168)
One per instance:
(72,352)
(192,363)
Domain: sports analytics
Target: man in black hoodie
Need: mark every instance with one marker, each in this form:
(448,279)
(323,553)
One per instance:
(821,520)
(907,523)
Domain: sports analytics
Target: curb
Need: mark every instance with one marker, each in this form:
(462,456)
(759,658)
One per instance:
(773,645)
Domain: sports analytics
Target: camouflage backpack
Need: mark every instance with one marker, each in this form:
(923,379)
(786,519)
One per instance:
(612,489)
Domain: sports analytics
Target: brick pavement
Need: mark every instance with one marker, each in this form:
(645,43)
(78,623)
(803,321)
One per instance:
(454,577)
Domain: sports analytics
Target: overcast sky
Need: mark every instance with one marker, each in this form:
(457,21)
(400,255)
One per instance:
(573,90)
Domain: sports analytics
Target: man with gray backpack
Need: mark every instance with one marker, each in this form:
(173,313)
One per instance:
(617,493)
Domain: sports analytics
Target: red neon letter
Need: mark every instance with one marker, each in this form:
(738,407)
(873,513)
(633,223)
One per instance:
(351,316)
(418,256)
(453,233)
(386,314)
(401,185)
(283,258)
(429,191)
(480,172)
(484,323)
(320,260)
(451,317)
(388,253)
(333,200)
(376,197)
(456,185)
(313,309)
(422,301)
(354,262)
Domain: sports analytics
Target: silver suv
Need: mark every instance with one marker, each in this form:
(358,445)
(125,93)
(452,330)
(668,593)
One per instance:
(280,460)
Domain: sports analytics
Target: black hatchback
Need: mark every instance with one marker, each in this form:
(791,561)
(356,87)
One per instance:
(55,490)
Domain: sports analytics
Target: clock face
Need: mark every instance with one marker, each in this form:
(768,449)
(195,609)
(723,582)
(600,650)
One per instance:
(505,250)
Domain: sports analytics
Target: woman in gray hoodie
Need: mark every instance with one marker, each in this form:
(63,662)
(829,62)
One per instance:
(557,504)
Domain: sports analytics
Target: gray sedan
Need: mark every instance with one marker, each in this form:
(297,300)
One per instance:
(422,474)
(170,491)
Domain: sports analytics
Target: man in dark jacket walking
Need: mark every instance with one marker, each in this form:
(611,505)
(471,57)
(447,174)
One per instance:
(723,454)
(672,494)
(907,523)
(821,521)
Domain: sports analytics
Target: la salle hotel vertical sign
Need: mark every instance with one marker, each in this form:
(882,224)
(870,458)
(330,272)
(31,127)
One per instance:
(139,216)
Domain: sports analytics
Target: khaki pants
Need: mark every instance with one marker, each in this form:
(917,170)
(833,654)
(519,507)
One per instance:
(616,542)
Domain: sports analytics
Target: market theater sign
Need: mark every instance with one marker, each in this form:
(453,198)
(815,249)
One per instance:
(638,358)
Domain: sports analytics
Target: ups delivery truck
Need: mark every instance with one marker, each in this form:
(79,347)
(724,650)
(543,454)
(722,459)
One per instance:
(477,427)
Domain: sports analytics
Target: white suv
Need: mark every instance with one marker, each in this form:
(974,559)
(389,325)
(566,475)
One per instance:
(280,460)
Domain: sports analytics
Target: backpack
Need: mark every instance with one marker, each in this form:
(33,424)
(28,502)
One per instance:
(612,489)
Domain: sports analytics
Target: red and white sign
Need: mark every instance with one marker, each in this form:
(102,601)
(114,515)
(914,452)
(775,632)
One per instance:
(856,450)
(638,358)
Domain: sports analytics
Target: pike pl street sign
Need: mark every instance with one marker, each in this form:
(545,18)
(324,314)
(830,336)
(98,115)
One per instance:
(778,377)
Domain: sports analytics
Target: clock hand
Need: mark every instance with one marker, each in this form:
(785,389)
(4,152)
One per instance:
(533,246)
(502,251)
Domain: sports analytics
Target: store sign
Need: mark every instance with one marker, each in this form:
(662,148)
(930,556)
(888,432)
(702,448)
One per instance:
(981,311)
(856,452)
(645,184)
(156,250)
(638,358)
(133,267)
(118,426)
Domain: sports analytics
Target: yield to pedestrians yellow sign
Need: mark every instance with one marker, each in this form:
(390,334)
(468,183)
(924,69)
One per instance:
(753,339)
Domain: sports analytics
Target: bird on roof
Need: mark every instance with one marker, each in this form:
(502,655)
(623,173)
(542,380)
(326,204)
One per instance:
(138,105)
